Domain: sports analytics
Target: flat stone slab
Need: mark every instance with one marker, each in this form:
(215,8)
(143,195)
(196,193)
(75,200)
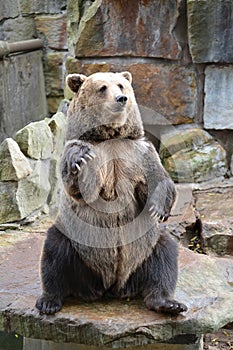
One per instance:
(205,285)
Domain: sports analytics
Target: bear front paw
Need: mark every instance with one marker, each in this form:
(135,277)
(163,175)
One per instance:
(79,158)
(157,213)
(48,305)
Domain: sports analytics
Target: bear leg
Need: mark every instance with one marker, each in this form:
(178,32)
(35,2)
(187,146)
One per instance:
(162,273)
(63,273)
(54,263)
(156,279)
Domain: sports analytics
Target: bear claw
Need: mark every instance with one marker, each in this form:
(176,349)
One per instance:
(80,160)
(48,306)
(155,215)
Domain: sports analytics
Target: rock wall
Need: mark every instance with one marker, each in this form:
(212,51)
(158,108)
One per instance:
(182,67)
(180,55)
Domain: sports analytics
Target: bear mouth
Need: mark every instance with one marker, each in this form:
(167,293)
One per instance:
(115,108)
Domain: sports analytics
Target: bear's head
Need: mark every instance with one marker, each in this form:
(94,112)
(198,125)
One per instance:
(103,107)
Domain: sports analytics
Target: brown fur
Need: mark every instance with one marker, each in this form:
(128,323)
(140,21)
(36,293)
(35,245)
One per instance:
(106,201)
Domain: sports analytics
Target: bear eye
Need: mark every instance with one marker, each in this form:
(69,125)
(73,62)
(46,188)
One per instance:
(103,88)
(121,86)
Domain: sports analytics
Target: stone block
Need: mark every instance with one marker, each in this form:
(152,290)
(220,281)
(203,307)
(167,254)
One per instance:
(22,92)
(54,73)
(53,103)
(8,9)
(53,30)
(32,192)
(14,166)
(42,6)
(35,140)
(215,206)
(218,102)
(145,29)
(17,29)
(168,90)
(9,210)
(22,198)
(192,155)
(210,30)
(231,165)
(58,125)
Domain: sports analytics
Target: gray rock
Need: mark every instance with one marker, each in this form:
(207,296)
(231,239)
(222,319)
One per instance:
(218,101)
(33,191)
(35,140)
(17,29)
(215,206)
(192,155)
(8,9)
(14,165)
(210,30)
(20,199)
(22,92)
(231,165)
(9,208)
(58,125)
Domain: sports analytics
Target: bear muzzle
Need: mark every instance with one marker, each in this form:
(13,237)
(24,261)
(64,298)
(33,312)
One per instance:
(121,100)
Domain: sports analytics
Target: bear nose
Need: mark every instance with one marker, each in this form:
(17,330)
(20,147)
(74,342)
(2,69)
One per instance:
(121,99)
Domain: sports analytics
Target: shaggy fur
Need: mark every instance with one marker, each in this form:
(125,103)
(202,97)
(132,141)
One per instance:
(106,239)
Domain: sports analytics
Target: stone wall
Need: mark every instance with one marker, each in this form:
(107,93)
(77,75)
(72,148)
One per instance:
(179,53)
(45,19)
(181,57)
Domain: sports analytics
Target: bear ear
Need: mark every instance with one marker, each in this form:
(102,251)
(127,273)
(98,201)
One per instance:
(74,81)
(127,76)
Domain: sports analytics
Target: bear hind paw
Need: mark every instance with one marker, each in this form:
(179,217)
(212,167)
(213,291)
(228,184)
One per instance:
(167,306)
(48,305)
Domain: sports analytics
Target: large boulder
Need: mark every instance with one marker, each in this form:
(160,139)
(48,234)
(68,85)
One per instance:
(21,198)
(35,140)
(192,155)
(14,166)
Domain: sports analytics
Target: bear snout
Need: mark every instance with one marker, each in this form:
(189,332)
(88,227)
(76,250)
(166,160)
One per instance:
(121,100)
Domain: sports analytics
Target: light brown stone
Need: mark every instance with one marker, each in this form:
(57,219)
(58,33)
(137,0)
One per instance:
(54,73)
(42,6)
(53,29)
(169,91)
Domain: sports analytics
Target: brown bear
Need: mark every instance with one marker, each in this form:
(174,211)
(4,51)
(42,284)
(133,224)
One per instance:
(106,239)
